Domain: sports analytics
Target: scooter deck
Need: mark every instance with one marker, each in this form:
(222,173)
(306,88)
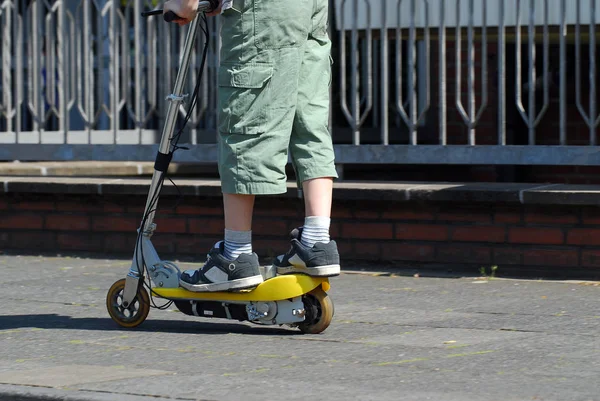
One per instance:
(274,289)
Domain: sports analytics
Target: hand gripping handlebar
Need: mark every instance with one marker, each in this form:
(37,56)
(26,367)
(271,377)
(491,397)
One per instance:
(170,16)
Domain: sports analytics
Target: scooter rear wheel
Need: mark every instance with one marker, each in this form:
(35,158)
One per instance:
(134,314)
(318,307)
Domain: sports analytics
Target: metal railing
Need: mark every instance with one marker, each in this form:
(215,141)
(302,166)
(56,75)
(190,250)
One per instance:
(415,81)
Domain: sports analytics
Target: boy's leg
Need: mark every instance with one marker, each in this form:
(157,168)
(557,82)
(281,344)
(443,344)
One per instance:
(262,47)
(311,148)
(238,224)
(238,211)
(318,196)
(317,205)
(231,263)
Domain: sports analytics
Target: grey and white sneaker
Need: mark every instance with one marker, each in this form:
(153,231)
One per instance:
(322,260)
(221,274)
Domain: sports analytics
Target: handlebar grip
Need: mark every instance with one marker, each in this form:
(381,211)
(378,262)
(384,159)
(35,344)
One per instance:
(214,4)
(170,16)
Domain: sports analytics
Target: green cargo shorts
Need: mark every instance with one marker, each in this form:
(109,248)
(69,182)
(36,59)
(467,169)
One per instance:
(273,94)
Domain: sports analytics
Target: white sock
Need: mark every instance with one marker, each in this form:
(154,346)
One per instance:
(236,243)
(316,229)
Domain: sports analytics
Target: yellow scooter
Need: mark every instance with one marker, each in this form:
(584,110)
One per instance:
(295,300)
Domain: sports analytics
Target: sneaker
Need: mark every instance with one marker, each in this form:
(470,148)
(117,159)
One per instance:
(322,260)
(221,274)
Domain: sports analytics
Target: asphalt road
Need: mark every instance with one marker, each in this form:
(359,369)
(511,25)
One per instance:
(393,337)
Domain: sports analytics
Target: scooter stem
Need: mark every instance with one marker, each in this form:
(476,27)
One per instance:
(166,147)
(144,251)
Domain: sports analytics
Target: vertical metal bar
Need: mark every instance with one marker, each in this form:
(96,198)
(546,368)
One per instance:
(532,76)
(114,70)
(217,62)
(385,91)
(563,72)
(152,68)
(592,73)
(88,69)
(354,115)
(442,74)
(202,106)
(578,65)
(502,75)
(472,116)
(125,64)
(35,93)
(376,88)
(330,24)
(6,67)
(103,114)
(399,66)
(458,58)
(546,67)
(342,58)
(594,119)
(412,76)
(366,99)
(413,116)
(354,82)
(424,80)
(518,63)
(72,95)
(484,65)
(50,60)
(19,73)
(349,111)
(578,57)
(2,69)
(61,65)
(471,72)
(128,67)
(78,54)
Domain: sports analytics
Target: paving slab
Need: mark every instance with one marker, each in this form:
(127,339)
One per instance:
(394,336)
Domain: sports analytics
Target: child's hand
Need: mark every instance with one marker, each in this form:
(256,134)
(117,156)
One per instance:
(185,9)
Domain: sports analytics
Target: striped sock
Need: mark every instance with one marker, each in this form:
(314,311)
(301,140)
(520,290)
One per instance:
(315,229)
(236,243)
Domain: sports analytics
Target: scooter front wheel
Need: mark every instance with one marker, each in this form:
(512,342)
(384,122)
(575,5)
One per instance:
(318,307)
(134,314)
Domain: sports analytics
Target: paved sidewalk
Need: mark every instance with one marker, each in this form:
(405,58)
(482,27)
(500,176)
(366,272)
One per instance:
(392,338)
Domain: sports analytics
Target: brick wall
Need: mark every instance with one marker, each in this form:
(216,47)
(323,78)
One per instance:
(554,237)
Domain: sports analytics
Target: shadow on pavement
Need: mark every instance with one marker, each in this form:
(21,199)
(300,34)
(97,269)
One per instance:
(54,321)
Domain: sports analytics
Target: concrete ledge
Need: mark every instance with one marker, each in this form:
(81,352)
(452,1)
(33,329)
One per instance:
(507,193)
(95,168)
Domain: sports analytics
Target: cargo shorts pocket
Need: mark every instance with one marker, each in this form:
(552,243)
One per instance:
(244,98)
(281,23)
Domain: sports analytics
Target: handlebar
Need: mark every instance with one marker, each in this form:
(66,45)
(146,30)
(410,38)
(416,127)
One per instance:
(170,16)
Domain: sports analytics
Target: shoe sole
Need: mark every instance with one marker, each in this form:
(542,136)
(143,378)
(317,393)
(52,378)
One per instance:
(321,271)
(239,284)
